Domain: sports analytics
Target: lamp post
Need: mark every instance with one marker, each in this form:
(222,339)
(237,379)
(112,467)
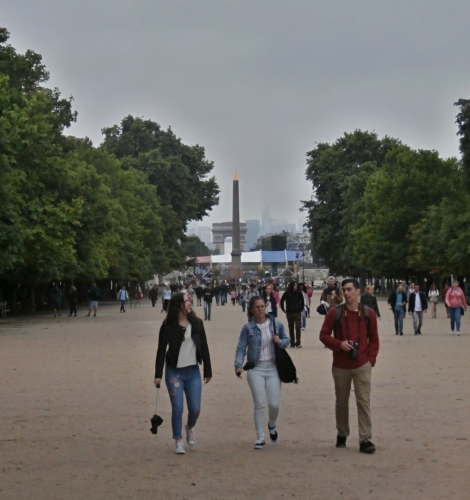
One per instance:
(297,259)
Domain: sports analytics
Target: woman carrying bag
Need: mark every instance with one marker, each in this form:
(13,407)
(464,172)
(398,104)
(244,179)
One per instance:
(183,334)
(434,299)
(256,342)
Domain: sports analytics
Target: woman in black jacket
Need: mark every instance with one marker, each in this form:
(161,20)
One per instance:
(369,299)
(183,334)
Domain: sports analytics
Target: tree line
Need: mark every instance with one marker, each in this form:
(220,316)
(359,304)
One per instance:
(382,209)
(73,211)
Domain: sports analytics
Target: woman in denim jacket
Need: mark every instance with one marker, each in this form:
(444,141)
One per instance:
(256,341)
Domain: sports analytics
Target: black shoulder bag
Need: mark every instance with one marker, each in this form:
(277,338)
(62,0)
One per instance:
(285,366)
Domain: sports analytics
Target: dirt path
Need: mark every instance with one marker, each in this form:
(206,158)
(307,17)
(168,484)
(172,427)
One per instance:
(76,396)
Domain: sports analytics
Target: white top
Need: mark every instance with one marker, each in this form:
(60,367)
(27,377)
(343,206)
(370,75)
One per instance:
(187,355)
(268,304)
(418,305)
(166,294)
(433,293)
(267,344)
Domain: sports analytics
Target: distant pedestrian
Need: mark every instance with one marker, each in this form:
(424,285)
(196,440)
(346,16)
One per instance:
(397,302)
(417,304)
(208,293)
(123,296)
(191,294)
(72,298)
(433,296)
(94,294)
(306,309)
(198,291)
(166,298)
(243,294)
(56,300)
(233,296)
(292,303)
(153,294)
(256,342)
(270,301)
(370,300)
(332,293)
(182,345)
(138,295)
(455,300)
(251,292)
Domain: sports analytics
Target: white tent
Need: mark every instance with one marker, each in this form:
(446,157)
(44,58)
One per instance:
(247,258)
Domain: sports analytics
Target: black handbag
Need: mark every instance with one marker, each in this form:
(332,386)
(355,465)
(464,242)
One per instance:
(285,366)
(462,311)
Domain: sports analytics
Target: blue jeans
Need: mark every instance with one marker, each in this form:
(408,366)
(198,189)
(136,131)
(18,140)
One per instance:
(207,310)
(217,298)
(304,318)
(398,320)
(123,306)
(454,313)
(243,304)
(187,380)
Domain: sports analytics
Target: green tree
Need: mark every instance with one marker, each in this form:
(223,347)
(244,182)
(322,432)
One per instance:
(339,173)
(192,246)
(463,121)
(396,197)
(179,173)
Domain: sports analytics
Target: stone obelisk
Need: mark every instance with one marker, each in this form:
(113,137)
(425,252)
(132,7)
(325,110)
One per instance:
(236,252)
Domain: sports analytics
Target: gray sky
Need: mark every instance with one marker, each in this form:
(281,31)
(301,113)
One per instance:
(257,82)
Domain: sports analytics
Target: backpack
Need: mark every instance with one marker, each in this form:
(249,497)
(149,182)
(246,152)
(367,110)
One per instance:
(339,312)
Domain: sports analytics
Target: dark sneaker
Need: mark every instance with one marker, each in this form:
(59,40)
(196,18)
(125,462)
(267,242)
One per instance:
(366,447)
(272,433)
(340,442)
(401,333)
(259,445)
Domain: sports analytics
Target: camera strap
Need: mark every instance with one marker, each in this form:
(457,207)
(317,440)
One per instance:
(156,400)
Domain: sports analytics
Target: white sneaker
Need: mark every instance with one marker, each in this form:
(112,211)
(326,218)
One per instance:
(458,333)
(190,438)
(259,444)
(180,448)
(452,332)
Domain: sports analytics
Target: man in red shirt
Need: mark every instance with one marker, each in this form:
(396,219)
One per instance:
(355,345)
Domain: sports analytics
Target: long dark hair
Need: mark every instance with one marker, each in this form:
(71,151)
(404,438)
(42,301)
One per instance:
(251,304)
(172,317)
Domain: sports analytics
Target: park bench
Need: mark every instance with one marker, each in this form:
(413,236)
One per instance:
(4,309)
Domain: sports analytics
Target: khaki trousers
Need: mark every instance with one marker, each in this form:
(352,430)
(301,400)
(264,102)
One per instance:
(361,378)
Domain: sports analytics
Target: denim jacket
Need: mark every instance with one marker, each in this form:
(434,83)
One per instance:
(250,337)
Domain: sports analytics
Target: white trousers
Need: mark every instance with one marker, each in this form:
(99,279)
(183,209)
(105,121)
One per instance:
(264,380)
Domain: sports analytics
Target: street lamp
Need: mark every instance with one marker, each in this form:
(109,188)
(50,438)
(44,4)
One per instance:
(297,259)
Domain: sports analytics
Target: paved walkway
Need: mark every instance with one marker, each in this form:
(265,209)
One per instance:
(76,396)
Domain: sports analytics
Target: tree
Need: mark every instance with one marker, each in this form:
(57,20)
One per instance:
(396,197)
(339,173)
(463,121)
(179,173)
(192,246)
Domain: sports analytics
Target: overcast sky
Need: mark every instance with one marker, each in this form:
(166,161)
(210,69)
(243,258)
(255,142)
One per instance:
(257,82)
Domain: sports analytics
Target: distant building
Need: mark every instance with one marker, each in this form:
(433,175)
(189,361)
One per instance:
(253,228)
(222,230)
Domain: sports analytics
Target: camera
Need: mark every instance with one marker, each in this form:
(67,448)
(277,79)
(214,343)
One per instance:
(353,353)
(248,365)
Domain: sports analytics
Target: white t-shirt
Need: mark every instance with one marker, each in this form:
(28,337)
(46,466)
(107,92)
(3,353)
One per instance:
(268,304)
(267,344)
(187,355)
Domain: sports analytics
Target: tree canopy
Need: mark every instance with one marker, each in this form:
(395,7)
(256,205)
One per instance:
(74,211)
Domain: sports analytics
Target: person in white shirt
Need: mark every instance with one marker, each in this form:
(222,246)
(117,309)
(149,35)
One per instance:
(123,296)
(417,304)
(166,298)
(434,299)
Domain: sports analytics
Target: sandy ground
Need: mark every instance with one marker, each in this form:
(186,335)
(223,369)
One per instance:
(77,395)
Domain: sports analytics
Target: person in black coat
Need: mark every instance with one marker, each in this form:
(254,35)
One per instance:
(397,302)
(417,304)
(182,344)
(369,299)
(292,303)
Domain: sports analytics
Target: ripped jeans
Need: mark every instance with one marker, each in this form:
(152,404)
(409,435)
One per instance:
(187,380)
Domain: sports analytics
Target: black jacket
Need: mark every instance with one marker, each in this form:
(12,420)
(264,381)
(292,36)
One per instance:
(371,301)
(292,302)
(411,301)
(272,300)
(168,338)
(392,300)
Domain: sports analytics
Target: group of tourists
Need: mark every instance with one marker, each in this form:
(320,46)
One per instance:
(416,302)
(349,330)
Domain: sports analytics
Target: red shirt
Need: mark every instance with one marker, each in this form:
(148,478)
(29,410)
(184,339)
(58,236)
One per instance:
(353,328)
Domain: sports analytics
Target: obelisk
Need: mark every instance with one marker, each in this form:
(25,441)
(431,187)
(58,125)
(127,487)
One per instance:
(236,252)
